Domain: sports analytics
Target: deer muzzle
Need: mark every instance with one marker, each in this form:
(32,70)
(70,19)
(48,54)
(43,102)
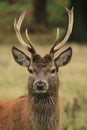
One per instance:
(40,86)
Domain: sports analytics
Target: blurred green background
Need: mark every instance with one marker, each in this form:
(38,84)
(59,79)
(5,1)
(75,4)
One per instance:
(42,30)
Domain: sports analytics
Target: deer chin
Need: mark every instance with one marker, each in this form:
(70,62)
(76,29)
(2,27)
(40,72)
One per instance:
(40,91)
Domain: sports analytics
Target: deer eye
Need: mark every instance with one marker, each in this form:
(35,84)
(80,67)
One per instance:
(30,70)
(53,70)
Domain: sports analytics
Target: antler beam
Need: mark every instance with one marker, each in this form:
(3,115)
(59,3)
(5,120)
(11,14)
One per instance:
(56,47)
(17,27)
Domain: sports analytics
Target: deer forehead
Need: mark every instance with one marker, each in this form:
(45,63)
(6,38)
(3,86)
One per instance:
(39,62)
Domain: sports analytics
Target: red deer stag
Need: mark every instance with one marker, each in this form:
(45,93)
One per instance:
(40,109)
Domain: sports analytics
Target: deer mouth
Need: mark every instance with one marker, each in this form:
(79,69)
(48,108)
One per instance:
(40,91)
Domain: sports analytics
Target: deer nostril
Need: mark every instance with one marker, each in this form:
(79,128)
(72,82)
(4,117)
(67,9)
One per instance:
(40,85)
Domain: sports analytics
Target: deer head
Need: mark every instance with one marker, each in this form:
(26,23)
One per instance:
(43,70)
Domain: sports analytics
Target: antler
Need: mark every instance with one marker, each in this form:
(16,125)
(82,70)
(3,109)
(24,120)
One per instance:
(56,47)
(17,26)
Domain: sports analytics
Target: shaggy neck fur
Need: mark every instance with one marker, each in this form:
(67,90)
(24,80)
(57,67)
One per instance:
(44,112)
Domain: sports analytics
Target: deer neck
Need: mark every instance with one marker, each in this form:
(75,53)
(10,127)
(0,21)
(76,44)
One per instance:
(44,113)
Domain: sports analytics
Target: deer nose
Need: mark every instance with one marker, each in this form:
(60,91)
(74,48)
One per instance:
(40,85)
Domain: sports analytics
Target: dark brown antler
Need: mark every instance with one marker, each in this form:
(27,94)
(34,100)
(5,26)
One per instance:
(56,47)
(17,26)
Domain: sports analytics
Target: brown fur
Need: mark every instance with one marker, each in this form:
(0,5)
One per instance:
(30,114)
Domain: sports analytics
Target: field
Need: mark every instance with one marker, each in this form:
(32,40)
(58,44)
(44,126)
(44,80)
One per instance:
(73,78)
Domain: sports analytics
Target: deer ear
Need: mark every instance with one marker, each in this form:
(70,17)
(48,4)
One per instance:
(20,57)
(64,57)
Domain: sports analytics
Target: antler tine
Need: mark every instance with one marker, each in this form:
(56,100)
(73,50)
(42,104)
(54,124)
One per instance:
(70,26)
(28,38)
(56,40)
(17,26)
